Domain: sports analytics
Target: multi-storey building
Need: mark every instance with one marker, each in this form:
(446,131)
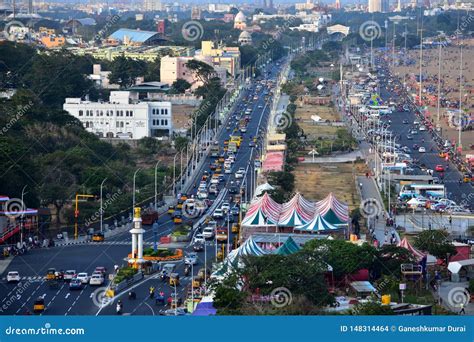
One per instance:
(124,116)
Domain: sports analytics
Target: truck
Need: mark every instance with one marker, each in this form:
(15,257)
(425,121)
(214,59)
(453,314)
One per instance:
(149,216)
(232,147)
(215,151)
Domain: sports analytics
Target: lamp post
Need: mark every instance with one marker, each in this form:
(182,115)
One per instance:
(134,181)
(23,208)
(156,184)
(174,174)
(101,206)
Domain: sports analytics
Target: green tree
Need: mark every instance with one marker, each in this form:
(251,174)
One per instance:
(390,258)
(435,242)
(124,71)
(180,86)
(203,71)
(372,308)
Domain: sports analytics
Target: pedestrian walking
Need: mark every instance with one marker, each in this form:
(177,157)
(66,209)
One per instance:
(462,311)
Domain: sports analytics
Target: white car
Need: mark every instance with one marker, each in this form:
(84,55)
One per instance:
(225,207)
(217,213)
(208,233)
(228,170)
(69,274)
(191,259)
(199,238)
(202,194)
(97,279)
(239,174)
(422,149)
(83,277)
(422,128)
(13,276)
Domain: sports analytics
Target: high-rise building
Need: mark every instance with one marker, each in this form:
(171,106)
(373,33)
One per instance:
(375,6)
(385,6)
(268,3)
(195,13)
(152,5)
(399,6)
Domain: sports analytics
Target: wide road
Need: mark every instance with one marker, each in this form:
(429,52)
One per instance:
(18,298)
(460,193)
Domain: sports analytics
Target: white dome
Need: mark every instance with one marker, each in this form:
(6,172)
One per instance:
(240,17)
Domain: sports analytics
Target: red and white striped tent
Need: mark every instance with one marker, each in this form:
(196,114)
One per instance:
(407,245)
(296,212)
(263,211)
(333,210)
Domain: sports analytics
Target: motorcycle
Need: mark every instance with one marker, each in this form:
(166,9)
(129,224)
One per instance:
(132,295)
(187,270)
(118,308)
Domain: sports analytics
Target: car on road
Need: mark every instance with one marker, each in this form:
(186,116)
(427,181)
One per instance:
(221,235)
(208,233)
(199,238)
(69,274)
(406,122)
(251,143)
(439,168)
(202,194)
(422,128)
(173,312)
(225,207)
(213,189)
(101,269)
(233,190)
(409,137)
(234,211)
(218,213)
(83,277)
(198,246)
(13,276)
(416,122)
(422,149)
(97,279)
(191,259)
(75,284)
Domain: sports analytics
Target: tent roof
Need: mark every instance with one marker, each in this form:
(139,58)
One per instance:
(407,245)
(318,223)
(289,247)
(455,266)
(339,209)
(296,211)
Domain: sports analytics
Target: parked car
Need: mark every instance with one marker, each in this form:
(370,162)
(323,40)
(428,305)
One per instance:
(13,276)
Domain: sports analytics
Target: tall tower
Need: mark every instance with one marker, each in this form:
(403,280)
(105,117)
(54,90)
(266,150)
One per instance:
(337,5)
(137,239)
(399,6)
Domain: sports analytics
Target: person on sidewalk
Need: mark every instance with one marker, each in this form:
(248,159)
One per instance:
(462,311)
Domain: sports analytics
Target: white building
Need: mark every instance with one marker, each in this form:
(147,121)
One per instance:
(124,116)
(152,5)
(101,78)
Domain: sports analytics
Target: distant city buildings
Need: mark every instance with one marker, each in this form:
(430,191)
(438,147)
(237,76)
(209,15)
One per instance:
(101,78)
(124,116)
(375,6)
(152,5)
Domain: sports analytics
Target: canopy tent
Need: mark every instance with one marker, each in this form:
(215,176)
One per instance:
(205,307)
(296,212)
(249,247)
(289,247)
(262,188)
(264,211)
(317,224)
(333,210)
(407,245)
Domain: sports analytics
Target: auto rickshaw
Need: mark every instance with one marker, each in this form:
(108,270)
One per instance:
(218,168)
(174,279)
(38,306)
(177,219)
(196,282)
(171,209)
(466,178)
(235,228)
(442,154)
(179,205)
(51,274)
(183,197)
(98,237)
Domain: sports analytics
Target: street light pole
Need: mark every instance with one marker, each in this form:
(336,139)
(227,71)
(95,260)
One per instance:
(156,184)
(101,206)
(133,195)
(23,208)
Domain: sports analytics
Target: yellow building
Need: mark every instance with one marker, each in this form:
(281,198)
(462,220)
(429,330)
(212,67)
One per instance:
(224,57)
(51,41)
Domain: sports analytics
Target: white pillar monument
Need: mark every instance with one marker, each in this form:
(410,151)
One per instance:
(137,239)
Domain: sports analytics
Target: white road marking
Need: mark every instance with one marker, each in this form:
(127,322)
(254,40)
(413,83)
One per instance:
(67,295)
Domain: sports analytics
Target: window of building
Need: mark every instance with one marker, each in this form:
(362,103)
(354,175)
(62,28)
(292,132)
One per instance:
(81,113)
(86,124)
(121,124)
(166,111)
(166,122)
(131,113)
(101,113)
(117,124)
(97,113)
